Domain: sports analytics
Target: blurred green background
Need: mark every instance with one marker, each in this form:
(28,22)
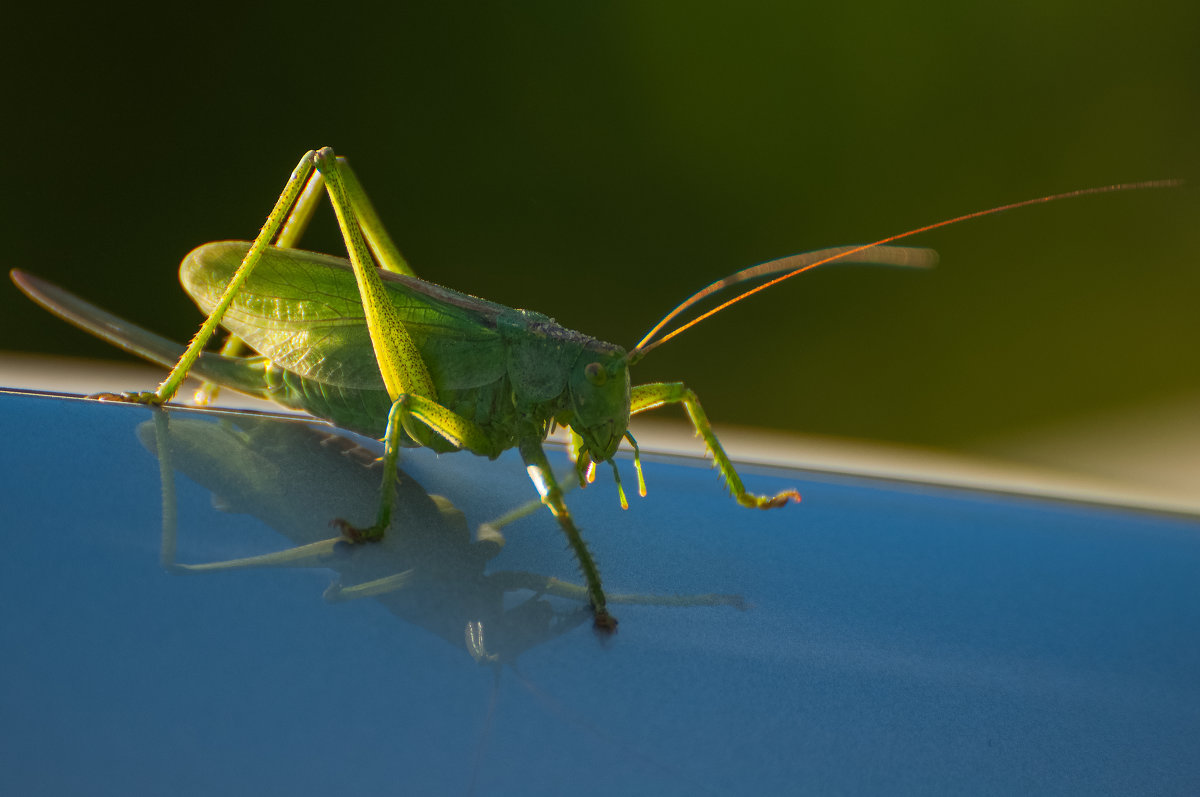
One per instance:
(601,161)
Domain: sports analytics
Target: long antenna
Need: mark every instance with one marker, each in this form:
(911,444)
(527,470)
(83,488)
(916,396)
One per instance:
(801,263)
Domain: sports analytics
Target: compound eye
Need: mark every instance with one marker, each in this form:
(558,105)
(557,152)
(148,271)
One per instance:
(595,373)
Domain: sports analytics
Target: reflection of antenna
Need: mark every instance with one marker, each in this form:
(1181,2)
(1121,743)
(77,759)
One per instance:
(798,264)
(486,733)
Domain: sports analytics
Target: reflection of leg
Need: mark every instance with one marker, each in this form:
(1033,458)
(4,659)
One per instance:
(311,555)
(166,474)
(336,593)
(315,554)
(510,580)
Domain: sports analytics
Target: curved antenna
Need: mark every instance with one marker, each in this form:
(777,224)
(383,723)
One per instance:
(801,263)
(871,254)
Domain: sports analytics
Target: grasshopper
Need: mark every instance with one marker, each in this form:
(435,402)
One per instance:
(381,352)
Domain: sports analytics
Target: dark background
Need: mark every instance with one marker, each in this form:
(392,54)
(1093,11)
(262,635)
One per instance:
(601,161)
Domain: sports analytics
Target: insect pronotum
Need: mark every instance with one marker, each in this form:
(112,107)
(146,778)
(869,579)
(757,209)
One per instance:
(381,352)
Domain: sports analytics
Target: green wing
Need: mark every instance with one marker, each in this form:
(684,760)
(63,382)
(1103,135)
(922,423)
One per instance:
(302,310)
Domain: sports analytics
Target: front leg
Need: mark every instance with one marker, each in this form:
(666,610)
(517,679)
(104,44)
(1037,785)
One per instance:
(648,397)
(552,496)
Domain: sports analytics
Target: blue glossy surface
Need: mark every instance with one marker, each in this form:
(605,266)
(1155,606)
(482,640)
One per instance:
(901,639)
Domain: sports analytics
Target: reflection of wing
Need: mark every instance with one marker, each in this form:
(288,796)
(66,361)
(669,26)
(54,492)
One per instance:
(302,310)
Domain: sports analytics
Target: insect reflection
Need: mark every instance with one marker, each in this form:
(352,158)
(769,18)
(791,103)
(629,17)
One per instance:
(429,570)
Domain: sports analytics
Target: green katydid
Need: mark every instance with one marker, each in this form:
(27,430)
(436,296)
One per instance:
(384,353)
